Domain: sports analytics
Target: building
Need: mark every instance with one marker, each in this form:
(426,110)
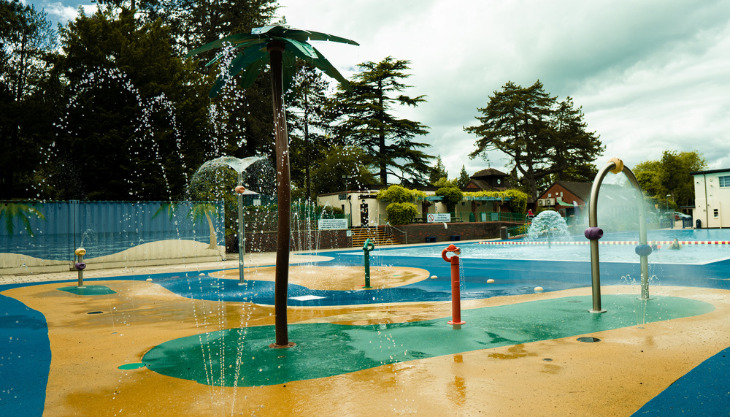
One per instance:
(566,197)
(488,179)
(365,210)
(712,198)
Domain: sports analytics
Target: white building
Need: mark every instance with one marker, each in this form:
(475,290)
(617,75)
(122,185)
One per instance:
(712,198)
(366,210)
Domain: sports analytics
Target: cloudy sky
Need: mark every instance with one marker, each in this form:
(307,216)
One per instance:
(651,75)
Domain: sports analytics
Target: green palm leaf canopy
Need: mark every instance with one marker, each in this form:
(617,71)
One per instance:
(253,54)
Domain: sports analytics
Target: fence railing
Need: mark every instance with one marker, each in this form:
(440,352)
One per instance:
(53,230)
(466,216)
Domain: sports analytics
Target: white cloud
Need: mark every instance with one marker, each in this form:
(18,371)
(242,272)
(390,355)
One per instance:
(650,75)
(57,11)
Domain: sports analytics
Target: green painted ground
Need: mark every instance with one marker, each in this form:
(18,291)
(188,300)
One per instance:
(89,290)
(325,349)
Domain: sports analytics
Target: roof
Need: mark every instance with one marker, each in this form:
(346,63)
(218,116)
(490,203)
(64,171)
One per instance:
(489,172)
(712,171)
(485,186)
(580,189)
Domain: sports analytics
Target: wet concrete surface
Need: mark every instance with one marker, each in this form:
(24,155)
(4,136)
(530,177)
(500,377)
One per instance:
(553,375)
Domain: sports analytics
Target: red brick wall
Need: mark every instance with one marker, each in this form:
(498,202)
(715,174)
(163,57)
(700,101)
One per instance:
(417,233)
(266,241)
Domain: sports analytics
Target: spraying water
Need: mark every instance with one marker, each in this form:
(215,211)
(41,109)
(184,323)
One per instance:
(548,225)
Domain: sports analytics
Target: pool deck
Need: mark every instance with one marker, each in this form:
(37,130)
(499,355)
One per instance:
(633,370)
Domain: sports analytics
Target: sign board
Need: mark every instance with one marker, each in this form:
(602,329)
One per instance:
(332,224)
(438,217)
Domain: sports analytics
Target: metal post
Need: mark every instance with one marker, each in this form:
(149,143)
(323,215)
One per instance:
(594,233)
(455,290)
(366,248)
(241,235)
(80,265)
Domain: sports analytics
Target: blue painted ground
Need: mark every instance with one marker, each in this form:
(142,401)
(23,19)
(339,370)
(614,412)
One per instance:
(25,358)
(703,392)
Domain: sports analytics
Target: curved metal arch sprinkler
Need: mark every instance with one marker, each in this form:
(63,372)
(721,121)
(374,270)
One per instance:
(593,232)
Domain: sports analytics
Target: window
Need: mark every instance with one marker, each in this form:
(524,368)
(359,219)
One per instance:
(715,213)
(725,181)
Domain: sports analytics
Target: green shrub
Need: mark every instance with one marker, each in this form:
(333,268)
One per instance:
(452,196)
(401,213)
(398,194)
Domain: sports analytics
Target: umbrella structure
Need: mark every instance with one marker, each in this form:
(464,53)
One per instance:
(278,46)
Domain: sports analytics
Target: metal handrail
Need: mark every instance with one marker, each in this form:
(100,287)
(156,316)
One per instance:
(387,224)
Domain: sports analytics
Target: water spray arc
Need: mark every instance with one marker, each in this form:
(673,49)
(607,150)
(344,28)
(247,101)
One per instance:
(240,166)
(279,46)
(594,233)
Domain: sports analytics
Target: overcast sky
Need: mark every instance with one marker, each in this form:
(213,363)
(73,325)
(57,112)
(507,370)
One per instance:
(650,75)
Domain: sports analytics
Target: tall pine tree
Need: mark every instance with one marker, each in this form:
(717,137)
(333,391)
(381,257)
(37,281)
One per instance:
(308,125)
(543,137)
(365,116)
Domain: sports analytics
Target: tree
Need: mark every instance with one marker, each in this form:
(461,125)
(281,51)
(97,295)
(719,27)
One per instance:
(540,134)
(670,176)
(463,179)
(451,196)
(279,46)
(27,44)
(305,114)
(328,176)
(400,208)
(437,172)
(445,182)
(133,110)
(364,115)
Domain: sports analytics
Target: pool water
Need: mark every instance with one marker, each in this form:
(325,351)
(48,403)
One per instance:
(577,249)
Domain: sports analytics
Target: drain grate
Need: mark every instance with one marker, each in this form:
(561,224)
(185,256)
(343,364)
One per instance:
(588,339)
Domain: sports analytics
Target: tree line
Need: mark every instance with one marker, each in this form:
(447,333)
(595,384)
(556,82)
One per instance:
(106,107)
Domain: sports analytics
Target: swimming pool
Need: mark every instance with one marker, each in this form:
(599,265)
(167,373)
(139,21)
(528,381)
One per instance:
(697,247)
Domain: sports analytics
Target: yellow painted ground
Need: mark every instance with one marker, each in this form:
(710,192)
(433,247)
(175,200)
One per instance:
(337,278)
(612,378)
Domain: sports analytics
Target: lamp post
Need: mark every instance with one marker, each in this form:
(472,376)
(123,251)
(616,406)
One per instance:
(240,189)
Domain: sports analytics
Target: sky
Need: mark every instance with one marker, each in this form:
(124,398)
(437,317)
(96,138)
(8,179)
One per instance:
(650,76)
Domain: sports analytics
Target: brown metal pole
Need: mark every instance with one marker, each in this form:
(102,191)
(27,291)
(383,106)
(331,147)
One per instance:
(281,283)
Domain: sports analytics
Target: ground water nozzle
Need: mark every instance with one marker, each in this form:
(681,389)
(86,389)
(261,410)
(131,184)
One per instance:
(80,265)
(366,248)
(455,291)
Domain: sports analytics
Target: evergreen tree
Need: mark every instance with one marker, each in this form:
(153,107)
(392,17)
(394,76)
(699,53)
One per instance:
(340,162)
(364,116)
(307,125)
(463,179)
(27,106)
(543,137)
(437,172)
(136,113)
